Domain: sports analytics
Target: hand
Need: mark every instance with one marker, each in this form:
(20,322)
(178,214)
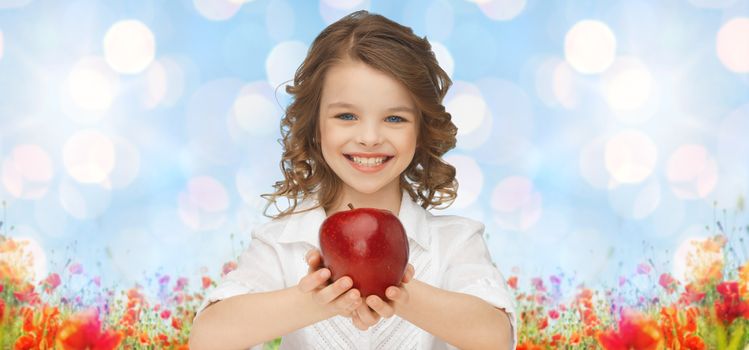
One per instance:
(338,298)
(369,313)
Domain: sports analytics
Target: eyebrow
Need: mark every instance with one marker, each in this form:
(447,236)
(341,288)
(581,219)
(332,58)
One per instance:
(392,109)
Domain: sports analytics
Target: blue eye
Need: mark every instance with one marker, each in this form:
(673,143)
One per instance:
(346,116)
(395,119)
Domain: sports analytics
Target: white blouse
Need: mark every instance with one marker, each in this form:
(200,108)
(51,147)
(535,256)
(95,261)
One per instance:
(447,252)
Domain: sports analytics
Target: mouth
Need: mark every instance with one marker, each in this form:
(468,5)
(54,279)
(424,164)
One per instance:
(368,161)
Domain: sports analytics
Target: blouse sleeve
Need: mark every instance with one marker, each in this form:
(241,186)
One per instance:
(258,270)
(471,271)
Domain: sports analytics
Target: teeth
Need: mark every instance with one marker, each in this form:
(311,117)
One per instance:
(369,162)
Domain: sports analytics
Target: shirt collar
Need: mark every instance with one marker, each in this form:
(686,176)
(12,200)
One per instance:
(305,226)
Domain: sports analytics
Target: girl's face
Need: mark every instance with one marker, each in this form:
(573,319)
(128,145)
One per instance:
(368,127)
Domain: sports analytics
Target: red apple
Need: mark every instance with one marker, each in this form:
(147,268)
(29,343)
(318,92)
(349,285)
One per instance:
(367,244)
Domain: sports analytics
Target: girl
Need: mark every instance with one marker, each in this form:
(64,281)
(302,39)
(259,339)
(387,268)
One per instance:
(367,127)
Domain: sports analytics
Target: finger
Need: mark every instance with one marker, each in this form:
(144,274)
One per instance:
(397,294)
(349,301)
(313,280)
(367,316)
(380,307)
(409,273)
(335,289)
(313,260)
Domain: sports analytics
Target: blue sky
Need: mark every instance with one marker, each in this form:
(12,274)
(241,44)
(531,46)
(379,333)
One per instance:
(136,137)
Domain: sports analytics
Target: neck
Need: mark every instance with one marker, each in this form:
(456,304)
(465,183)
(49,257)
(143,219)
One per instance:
(388,198)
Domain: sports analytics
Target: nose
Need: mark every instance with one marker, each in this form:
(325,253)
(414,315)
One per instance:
(369,134)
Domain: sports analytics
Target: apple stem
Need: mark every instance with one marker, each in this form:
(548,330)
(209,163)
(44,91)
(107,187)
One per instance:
(351,206)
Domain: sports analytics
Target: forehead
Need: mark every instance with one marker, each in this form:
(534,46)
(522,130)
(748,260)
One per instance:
(361,85)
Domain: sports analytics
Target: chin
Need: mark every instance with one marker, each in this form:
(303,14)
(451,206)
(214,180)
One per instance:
(367,189)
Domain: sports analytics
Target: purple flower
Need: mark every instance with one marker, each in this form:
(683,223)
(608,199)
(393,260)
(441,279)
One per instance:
(181,283)
(538,284)
(555,280)
(164,280)
(76,268)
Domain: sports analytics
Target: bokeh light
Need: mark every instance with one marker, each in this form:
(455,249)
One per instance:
(689,246)
(630,156)
(732,45)
(27,172)
(217,10)
(92,85)
(283,61)
(516,204)
(202,205)
(692,172)
(501,10)
(89,156)
(470,179)
(254,112)
(444,57)
(129,46)
(628,86)
(467,107)
(590,46)
(35,249)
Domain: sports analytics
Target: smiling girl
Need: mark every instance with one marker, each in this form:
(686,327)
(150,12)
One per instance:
(367,127)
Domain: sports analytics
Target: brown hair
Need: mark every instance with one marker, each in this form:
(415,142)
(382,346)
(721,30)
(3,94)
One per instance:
(393,49)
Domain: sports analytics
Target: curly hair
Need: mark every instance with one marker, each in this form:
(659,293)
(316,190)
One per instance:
(390,48)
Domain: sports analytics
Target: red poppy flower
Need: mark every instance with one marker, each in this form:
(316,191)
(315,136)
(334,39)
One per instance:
(635,332)
(668,282)
(513,282)
(84,331)
(730,306)
(206,282)
(51,283)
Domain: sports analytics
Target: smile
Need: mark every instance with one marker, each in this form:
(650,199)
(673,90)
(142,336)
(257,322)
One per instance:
(368,163)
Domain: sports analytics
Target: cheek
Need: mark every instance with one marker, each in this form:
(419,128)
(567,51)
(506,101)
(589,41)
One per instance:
(329,141)
(410,142)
